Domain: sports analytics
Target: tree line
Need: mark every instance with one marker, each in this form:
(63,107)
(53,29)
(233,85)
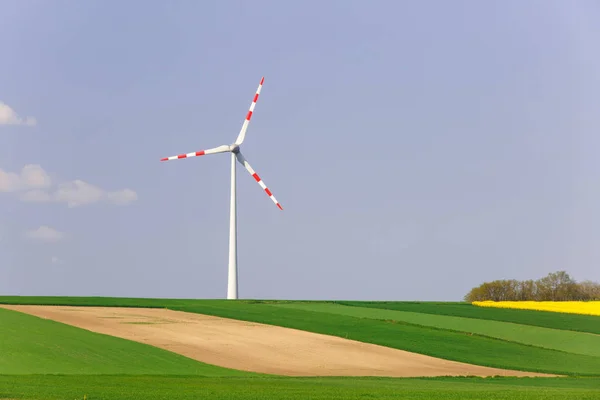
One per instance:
(556,286)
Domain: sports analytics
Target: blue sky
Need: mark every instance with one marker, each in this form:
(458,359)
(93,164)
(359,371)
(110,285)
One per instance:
(418,148)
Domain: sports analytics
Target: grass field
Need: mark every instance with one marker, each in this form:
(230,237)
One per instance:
(574,322)
(556,339)
(37,346)
(184,388)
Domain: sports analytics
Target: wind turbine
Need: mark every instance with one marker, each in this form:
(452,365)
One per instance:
(236,154)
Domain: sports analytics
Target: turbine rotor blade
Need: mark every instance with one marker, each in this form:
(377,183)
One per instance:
(242,134)
(246,165)
(220,149)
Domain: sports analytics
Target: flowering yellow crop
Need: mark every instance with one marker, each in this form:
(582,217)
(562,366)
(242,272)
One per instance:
(571,307)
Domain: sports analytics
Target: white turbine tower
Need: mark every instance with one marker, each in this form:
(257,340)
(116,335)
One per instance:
(234,149)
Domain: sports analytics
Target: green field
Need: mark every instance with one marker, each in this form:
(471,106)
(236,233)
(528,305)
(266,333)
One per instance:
(573,322)
(193,388)
(556,339)
(105,367)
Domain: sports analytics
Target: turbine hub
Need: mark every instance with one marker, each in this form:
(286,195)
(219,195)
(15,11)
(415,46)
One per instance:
(234,148)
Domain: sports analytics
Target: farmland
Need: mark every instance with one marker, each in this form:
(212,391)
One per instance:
(32,345)
(570,307)
(36,349)
(193,387)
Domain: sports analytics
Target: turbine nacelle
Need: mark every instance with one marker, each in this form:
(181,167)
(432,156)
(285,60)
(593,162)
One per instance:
(234,148)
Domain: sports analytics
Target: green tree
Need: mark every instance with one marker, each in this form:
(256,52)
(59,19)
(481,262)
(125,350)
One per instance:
(499,290)
(556,286)
(527,290)
(589,290)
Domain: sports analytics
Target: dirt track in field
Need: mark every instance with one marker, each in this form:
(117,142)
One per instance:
(256,347)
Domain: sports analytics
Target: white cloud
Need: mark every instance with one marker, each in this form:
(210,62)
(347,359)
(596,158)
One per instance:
(8,116)
(78,193)
(34,183)
(32,176)
(45,234)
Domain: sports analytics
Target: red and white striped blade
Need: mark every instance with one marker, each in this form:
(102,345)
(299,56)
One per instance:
(242,133)
(220,149)
(246,165)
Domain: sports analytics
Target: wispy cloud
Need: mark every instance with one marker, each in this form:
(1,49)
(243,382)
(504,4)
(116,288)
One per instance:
(33,185)
(45,234)
(8,116)
(79,193)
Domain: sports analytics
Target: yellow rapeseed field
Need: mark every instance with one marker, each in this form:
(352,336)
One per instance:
(571,307)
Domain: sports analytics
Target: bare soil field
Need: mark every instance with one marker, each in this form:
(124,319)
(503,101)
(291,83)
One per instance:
(256,347)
